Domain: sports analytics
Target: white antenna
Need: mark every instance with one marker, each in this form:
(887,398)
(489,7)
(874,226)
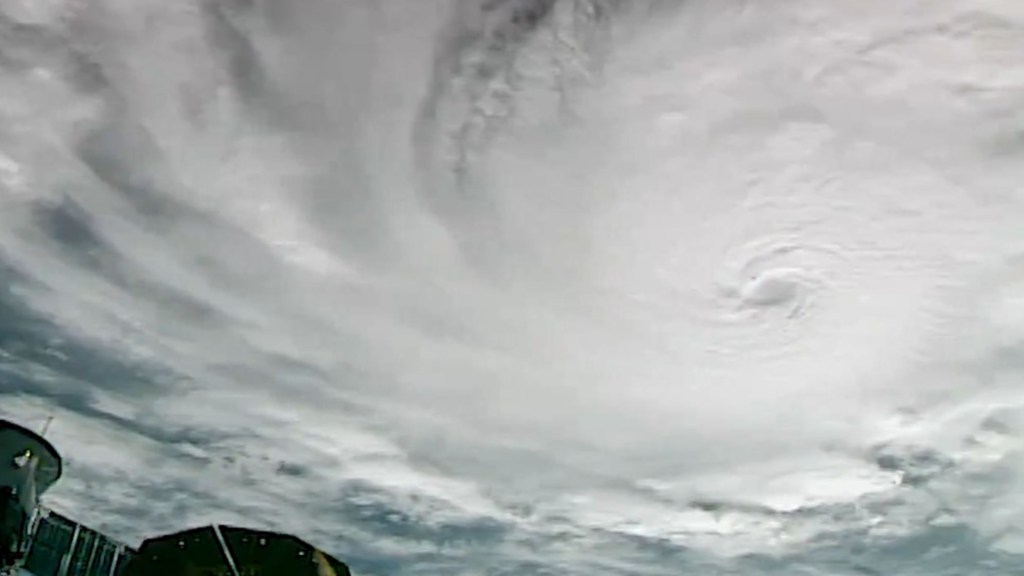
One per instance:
(46,426)
(227,551)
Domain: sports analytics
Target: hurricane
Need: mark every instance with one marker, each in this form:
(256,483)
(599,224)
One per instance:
(485,287)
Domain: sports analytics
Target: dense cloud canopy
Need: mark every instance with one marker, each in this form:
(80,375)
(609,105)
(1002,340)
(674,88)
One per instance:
(538,287)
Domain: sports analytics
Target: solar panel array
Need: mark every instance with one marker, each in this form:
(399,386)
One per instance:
(63,547)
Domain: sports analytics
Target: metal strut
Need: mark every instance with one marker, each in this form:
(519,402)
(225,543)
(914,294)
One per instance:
(224,548)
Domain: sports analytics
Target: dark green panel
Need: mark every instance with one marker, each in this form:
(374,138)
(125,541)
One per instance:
(197,552)
(93,553)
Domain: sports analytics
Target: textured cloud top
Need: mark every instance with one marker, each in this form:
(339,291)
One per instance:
(526,286)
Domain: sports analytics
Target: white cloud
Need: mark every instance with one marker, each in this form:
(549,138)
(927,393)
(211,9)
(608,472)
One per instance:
(725,279)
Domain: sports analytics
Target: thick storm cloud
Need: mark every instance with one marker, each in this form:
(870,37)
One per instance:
(526,286)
